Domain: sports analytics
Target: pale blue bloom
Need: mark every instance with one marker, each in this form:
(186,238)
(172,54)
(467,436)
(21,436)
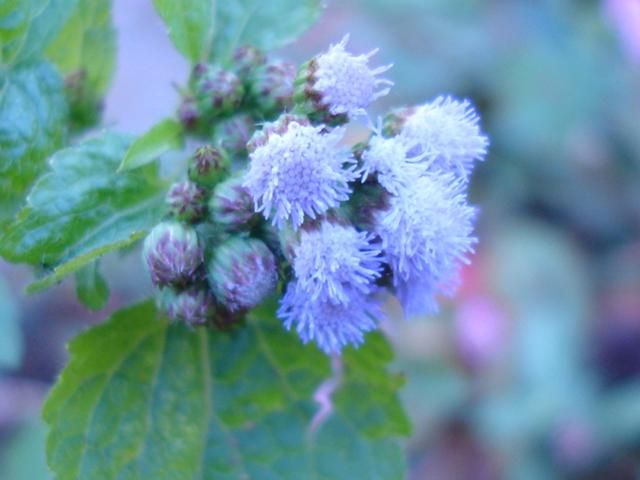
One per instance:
(299,172)
(332,260)
(387,158)
(345,82)
(427,234)
(331,325)
(444,135)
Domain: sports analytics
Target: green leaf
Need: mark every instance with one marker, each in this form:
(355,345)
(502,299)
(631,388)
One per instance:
(206,29)
(27,27)
(32,125)
(87,46)
(162,137)
(266,25)
(191,25)
(10,336)
(91,287)
(142,398)
(83,209)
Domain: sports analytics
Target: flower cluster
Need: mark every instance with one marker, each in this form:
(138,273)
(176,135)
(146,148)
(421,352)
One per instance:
(289,207)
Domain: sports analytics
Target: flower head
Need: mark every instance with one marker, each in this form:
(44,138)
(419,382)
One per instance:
(333,260)
(344,82)
(172,254)
(331,325)
(242,273)
(387,159)
(427,233)
(444,135)
(298,170)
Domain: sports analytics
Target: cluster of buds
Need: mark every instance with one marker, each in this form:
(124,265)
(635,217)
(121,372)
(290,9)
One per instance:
(339,228)
(205,269)
(221,99)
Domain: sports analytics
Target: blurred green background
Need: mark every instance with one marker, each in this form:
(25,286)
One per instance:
(533,370)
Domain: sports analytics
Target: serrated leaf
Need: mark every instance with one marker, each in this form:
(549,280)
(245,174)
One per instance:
(206,29)
(162,137)
(10,335)
(27,27)
(141,398)
(190,23)
(82,209)
(87,45)
(32,125)
(91,287)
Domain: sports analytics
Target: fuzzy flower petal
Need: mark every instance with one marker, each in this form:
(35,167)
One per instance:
(332,260)
(444,135)
(387,159)
(299,172)
(331,325)
(345,82)
(427,234)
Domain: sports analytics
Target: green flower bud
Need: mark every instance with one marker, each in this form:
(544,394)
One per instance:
(208,166)
(242,273)
(195,306)
(272,87)
(246,59)
(172,254)
(234,133)
(231,205)
(218,92)
(187,201)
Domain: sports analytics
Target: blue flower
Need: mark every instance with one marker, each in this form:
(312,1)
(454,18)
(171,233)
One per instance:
(331,325)
(345,83)
(387,159)
(427,234)
(332,260)
(297,171)
(444,135)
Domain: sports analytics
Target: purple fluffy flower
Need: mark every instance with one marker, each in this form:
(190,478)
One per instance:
(297,171)
(444,135)
(345,83)
(333,260)
(427,234)
(331,325)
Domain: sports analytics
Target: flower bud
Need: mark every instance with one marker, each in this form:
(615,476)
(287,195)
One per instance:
(234,134)
(208,166)
(172,254)
(218,92)
(188,113)
(231,205)
(195,306)
(242,273)
(187,201)
(246,59)
(272,87)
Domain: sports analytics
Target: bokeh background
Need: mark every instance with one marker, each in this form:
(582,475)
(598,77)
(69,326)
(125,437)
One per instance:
(533,370)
